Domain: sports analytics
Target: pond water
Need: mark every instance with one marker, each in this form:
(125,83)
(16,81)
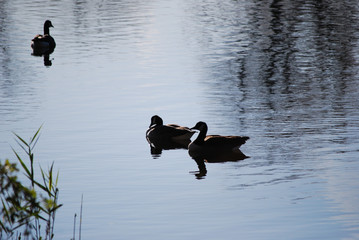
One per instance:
(284,73)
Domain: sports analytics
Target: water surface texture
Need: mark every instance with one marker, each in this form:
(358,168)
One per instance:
(284,73)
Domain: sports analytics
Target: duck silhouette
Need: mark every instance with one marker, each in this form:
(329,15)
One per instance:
(211,146)
(171,132)
(166,137)
(43,44)
(214,149)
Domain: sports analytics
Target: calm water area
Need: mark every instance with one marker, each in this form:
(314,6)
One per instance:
(285,73)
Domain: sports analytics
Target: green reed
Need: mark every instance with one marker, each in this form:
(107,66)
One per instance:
(28,209)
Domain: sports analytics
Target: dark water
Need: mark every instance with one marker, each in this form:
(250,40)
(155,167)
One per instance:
(284,73)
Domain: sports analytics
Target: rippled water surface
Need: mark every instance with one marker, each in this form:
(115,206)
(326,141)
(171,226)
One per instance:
(284,73)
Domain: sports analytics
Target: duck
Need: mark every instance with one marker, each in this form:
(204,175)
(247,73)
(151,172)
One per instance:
(170,132)
(44,43)
(214,145)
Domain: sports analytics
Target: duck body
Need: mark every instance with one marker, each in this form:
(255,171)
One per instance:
(170,132)
(211,145)
(44,44)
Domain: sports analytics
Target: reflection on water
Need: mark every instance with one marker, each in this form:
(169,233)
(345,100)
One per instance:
(220,157)
(283,72)
(45,55)
(157,145)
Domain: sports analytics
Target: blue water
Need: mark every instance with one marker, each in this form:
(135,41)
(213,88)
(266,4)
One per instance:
(284,73)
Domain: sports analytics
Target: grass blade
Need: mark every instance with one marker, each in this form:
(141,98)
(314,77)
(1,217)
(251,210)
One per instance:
(34,137)
(50,176)
(57,178)
(21,145)
(22,140)
(22,163)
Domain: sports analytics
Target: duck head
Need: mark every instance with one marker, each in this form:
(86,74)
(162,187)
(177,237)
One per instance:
(47,25)
(156,120)
(201,126)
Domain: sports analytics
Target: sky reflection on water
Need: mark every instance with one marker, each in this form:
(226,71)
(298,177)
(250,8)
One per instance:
(282,72)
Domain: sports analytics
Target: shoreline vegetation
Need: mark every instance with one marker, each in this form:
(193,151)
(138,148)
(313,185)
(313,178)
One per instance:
(28,208)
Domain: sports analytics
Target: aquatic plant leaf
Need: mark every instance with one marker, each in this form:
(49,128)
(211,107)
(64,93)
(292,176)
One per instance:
(57,178)
(34,137)
(22,163)
(45,187)
(22,140)
(28,207)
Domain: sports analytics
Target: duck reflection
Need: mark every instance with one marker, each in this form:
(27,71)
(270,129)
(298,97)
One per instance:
(214,157)
(157,145)
(46,55)
(165,137)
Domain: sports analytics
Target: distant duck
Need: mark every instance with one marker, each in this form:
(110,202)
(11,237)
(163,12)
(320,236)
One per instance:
(169,132)
(214,144)
(44,44)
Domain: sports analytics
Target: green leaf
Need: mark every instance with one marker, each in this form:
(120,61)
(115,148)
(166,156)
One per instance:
(22,140)
(34,137)
(22,163)
(23,148)
(32,205)
(44,187)
(57,178)
(57,207)
(50,176)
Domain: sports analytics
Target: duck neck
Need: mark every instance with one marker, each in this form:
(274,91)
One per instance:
(46,30)
(201,136)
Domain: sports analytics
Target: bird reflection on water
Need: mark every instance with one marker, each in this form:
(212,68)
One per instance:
(218,157)
(157,145)
(46,55)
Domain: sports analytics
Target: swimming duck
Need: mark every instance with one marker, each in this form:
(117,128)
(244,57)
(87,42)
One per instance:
(169,132)
(44,43)
(214,144)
